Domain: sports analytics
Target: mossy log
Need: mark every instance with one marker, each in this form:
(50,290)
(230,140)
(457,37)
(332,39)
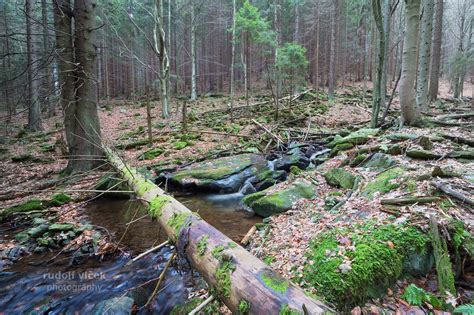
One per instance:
(409,200)
(233,272)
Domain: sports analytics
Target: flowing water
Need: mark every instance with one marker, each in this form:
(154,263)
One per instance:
(61,287)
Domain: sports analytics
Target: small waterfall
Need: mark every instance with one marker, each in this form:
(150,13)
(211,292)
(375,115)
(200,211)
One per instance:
(322,152)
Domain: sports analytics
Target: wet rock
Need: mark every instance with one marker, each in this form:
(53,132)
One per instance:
(379,161)
(38,221)
(16,252)
(266,203)
(115,306)
(22,237)
(360,136)
(338,177)
(294,157)
(59,227)
(267,178)
(226,174)
(37,231)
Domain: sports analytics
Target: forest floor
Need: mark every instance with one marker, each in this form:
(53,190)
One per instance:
(32,165)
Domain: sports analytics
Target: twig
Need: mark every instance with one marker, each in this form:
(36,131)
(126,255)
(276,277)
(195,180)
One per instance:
(160,279)
(447,190)
(202,305)
(247,236)
(148,251)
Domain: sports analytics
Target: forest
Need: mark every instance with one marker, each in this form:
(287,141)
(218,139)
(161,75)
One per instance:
(236,157)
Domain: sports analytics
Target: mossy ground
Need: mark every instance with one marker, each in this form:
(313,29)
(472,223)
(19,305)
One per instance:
(372,262)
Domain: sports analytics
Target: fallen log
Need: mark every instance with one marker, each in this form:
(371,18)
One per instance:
(237,276)
(469,142)
(453,193)
(408,200)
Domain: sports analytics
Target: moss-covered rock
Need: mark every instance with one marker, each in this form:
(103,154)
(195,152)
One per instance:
(224,174)
(349,267)
(59,200)
(30,205)
(266,203)
(360,136)
(339,177)
(401,136)
(267,178)
(61,227)
(379,161)
(38,230)
(151,154)
(422,154)
(179,145)
(465,154)
(384,182)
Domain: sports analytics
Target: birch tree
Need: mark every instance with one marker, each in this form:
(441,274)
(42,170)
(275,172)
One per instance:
(410,113)
(424,57)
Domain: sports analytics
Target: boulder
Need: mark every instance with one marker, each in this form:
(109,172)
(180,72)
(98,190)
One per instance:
(423,154)
(38,230)
(61,227)
(338,177)
(267,178)
(226,174)
(294,157)
(279,199)
(384,182)
(379,161)
(360,136)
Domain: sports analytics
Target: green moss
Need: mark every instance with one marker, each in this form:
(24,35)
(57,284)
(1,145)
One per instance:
(383,183)
(287,310)
(177,221)
(274,281)
(223,272)
(157,204)
(411,185)
(340,178)
(251,198)
(30,205)
(244,307)
(268,259)
(349,276)
(231,245)
(59,199)
(202,245)
(145,187)
(217,252)
(179,145)
(295,170)
(185,309)
(151,154)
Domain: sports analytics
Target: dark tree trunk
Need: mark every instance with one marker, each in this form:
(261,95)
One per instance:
(34,112)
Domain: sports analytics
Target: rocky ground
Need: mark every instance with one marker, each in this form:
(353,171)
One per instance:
(325,207)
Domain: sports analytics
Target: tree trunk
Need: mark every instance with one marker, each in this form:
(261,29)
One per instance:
(410,113)
(234,10)
(436,57)
(32,103)
(160,50)
(46,55)
(332,52)
(85,151)
(236,275)
(65,59)
(424,57)
(377,93)
(387,16)
(193,54)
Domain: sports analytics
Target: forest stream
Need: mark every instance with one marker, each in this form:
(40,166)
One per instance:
(33,285)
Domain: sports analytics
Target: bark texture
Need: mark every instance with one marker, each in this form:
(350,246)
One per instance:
(160,50)
(235,274)
(409,110)
(424,57)
(85,149)
(436,52)
(32,102)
